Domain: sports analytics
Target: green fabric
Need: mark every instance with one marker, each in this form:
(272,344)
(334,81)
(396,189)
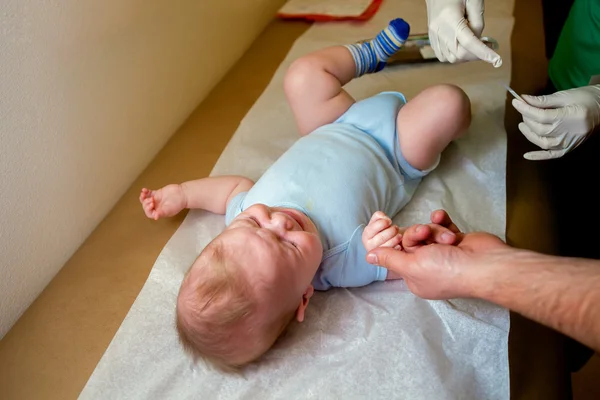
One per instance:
(576,58)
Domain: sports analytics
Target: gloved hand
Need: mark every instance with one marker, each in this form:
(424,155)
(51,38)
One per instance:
(559,122)
(456,38)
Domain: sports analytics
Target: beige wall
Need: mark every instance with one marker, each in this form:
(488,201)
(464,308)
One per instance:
(89,92)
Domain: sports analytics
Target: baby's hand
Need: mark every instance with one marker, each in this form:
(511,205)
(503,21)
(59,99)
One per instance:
(380,232)
(165,202)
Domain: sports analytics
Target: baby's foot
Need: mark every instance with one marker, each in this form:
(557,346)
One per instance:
(372,56)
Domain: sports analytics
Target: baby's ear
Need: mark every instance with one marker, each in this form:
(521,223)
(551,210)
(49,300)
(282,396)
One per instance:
(310,290)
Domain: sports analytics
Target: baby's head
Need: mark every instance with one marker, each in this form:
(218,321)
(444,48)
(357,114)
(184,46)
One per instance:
(247,285)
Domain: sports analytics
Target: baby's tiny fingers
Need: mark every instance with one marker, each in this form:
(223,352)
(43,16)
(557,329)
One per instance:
(393,242)
(148,212)
(149,203)
(375,227)
(384,236)
(378,215)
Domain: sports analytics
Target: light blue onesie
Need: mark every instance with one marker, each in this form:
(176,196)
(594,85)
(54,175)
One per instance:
(339,175)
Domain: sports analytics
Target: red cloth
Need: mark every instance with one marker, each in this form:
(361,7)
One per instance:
(366,15)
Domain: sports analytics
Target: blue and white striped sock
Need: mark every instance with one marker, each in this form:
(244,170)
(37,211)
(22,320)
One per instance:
(372,56)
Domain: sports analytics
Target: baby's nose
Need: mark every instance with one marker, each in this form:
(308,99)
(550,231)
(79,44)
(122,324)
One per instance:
(281,222)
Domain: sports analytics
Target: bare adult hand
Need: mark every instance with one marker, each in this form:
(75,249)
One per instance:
(441,271)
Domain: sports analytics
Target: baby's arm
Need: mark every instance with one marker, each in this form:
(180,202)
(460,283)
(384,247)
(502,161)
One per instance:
(211,194)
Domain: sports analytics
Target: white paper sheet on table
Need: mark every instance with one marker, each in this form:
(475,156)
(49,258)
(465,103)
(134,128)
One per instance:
(334,8)
(376,342)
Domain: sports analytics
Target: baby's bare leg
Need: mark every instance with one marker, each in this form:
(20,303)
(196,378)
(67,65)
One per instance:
(313,87)
(313,83)
(430,121)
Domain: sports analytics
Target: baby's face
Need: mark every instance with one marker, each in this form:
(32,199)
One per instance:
(280,251)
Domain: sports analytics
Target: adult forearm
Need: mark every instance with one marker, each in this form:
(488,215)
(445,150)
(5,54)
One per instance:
(563,293)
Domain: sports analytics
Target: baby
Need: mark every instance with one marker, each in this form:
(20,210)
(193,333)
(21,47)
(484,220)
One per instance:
(309,221)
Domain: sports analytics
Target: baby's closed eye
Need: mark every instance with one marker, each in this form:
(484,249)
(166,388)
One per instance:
(251,218)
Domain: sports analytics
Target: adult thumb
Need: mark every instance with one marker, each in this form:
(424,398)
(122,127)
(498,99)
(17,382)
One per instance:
(394,260)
